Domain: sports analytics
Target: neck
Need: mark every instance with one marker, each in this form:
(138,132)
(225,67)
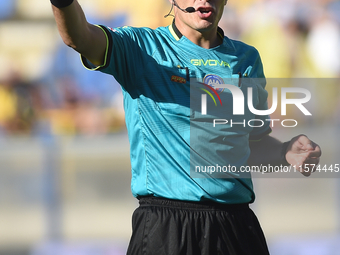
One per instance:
(207,39)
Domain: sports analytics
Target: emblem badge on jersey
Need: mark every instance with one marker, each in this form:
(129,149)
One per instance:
(213,80)
(178,79)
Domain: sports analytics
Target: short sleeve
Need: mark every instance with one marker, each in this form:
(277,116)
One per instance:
(124,55)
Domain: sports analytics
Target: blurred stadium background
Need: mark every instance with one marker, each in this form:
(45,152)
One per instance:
(64,153)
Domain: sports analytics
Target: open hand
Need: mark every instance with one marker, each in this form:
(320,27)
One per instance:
(302,153)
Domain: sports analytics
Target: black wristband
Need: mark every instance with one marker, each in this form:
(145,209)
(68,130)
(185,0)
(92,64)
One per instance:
(61,3)
(283,153)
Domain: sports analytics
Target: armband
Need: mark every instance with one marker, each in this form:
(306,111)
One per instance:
(61,3)
(283,153)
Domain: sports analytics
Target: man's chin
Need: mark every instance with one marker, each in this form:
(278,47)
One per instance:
(205,26)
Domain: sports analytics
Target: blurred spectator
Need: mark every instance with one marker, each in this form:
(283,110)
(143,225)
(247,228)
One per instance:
(62,117)
(8,105)
(91,85)
(295,38)
(77,114)
(17,108)
(82,99)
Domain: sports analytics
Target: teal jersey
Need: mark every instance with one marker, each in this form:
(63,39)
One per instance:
(168,133)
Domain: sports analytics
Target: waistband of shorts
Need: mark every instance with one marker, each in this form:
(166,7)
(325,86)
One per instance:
(179,204)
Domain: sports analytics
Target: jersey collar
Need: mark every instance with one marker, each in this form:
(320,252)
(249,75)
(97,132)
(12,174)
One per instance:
(178,35)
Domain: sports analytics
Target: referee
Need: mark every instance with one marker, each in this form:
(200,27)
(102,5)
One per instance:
(181,213)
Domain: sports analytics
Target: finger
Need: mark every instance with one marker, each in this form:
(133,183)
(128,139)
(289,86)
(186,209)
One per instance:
(311,161)
(316,153)
(306,144)
(317,149)
(299,143)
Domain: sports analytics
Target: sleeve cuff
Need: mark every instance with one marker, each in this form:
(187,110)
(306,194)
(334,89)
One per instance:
(88,65)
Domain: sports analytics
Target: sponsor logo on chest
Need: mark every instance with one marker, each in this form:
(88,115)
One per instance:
(209,62)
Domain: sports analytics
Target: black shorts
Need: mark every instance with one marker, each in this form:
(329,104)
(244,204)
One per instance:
(170,227)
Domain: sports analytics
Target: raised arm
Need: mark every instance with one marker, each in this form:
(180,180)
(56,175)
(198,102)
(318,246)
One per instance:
(77,33)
